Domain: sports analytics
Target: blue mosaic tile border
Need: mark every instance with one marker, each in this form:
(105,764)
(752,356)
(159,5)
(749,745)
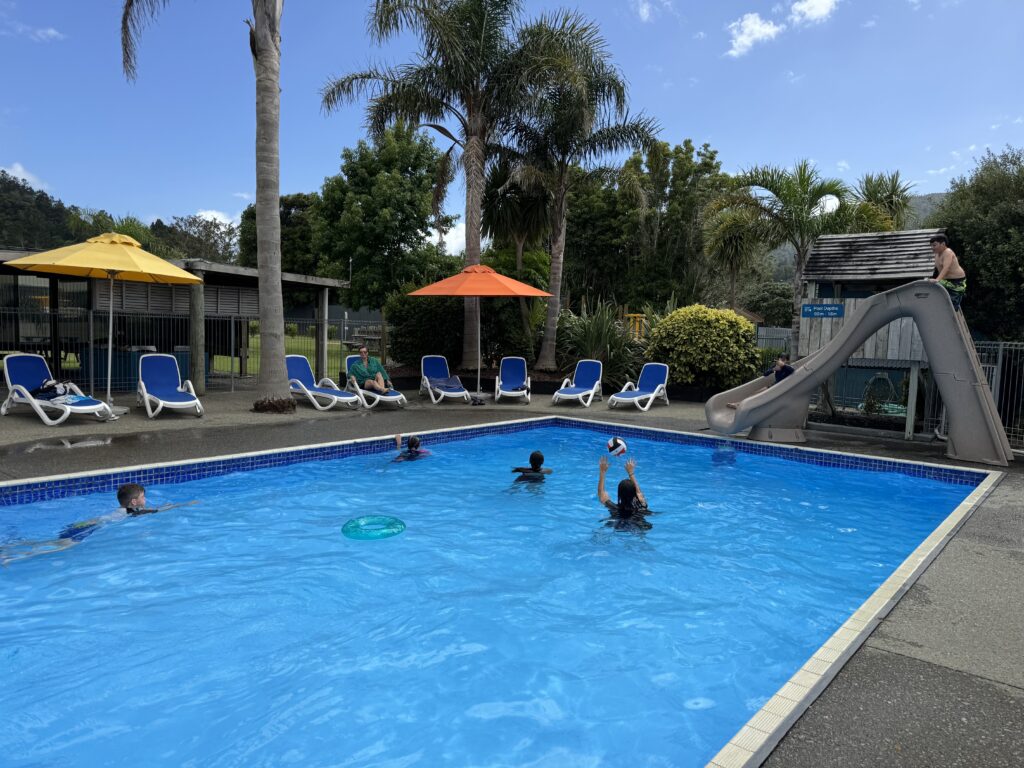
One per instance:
(25,493)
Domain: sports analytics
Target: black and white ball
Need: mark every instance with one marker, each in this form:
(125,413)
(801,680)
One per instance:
(616,446)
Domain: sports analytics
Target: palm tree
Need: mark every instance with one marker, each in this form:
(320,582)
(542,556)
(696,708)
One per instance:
(887,192)
(732,239)
(574,127)
(475,69)
(265,47)
(517,213)
(791,206)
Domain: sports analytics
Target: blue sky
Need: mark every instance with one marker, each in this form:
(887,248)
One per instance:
(922,86)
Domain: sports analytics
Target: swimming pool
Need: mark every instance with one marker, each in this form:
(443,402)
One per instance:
(505,626)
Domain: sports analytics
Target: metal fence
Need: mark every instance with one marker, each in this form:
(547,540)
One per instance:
(1003,364)
(232,344)
(774,338)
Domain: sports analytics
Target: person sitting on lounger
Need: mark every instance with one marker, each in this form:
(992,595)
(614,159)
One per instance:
(627,512)
(369,373)
(780,370)
(535,472)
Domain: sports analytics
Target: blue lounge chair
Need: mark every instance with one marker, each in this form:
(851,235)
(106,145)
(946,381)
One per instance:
(437,381)
(513,380)
(370,397)
(323,395)
(26,374)
(160,385)
(648,388)
(584,385)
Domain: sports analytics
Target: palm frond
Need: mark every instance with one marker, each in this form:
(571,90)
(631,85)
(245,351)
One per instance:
(135,14)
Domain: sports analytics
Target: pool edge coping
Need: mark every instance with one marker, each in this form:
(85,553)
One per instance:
(755,740)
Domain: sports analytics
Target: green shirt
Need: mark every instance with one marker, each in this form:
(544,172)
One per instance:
(368,370)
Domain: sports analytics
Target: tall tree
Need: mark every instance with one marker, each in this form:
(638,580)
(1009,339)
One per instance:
(518,214)
(792,206)
(378,213)
(575,123)
(198,237)
(888,193)
(265,47)
(475,68)
(984,217)
(732,240)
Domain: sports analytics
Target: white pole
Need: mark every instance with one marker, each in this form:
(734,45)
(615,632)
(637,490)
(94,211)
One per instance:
(478,345)
(110,339)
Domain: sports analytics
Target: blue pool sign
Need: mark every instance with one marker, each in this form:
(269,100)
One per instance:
(822,310)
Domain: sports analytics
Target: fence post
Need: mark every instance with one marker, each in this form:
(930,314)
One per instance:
(908,431)
(232,321)
(197,336)
(92,357)
(997,376)
(321,335)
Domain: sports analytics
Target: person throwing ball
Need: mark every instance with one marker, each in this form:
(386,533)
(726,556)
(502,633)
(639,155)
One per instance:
(627,512)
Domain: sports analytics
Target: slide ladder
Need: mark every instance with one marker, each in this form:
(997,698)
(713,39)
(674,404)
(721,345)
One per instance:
(778,414)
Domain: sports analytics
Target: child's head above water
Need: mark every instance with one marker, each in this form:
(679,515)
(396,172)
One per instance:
(536,461)
(131,495)
(414,443)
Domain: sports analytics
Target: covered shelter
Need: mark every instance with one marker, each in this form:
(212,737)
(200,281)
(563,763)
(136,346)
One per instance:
(64,318)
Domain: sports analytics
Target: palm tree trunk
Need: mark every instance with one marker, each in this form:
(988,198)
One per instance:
(524,311)
(732,289)
(798,277)
(546,359)
(265,42)
(473,167)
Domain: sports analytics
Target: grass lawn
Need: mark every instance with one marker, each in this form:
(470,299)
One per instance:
(293,345)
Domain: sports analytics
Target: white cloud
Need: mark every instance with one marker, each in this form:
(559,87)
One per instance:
(219,216)
(454,240)
(955,154)
(699,35)
(243,195)
(828,204)
(643,9)
(21,172)
(811,11)
(842,165)
(942,171)
(995,126)
(915,4)
(667,84)
(749,30)
(972,147)
(793,78)
(692,80)
(870,23)
(1019,120)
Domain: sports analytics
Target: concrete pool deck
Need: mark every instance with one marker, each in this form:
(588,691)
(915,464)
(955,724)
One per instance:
(940,682)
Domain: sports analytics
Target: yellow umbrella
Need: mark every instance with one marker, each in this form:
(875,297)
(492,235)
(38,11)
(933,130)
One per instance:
(110,256)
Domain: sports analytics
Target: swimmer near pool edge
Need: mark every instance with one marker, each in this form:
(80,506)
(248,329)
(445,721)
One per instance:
(370,527)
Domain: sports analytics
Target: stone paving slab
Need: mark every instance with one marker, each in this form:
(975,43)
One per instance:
(885,710)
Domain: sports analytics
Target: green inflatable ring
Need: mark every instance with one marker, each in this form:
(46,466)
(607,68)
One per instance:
(373,527)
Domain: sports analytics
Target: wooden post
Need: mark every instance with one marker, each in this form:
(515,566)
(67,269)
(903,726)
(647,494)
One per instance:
(908,432)
(197,336)
(321,335)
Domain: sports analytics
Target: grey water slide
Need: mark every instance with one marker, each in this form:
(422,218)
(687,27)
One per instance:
(778,414)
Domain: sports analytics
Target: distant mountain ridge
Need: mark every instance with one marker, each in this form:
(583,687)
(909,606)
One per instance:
(923,206)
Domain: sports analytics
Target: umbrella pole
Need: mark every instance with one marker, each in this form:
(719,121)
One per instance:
(110,339)
(478,346)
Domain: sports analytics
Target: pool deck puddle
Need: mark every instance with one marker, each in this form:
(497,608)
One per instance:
(752,744)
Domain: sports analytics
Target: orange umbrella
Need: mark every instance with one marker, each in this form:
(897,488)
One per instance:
(476,281)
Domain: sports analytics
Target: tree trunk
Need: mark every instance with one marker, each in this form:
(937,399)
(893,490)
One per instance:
(732,289)
(546,359)
(524,311)
(473,158)
(265,43)
(798,276)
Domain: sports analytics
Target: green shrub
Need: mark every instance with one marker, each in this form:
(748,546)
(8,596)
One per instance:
(332,331)
(767,357)
(291,329)
(597,333)
(423,326)
(712,348)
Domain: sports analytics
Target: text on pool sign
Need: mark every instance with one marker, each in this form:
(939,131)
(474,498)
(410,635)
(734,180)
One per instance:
(822,310)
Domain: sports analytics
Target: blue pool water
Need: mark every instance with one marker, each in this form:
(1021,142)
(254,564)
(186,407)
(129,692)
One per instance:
(505,627)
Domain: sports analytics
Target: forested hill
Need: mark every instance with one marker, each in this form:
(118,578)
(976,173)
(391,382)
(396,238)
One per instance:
(924,206)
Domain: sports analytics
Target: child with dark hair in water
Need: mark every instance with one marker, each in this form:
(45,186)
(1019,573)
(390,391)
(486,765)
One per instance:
(412,451)
(627,512)
(535,472)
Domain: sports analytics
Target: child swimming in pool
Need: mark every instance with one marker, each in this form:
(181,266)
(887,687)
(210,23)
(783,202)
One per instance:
(131,497)
(627,513)
(413,449)
(533,473)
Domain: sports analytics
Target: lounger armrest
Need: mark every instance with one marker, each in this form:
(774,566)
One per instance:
(74,388)
(186,386)
(628,386)
(565,383)
(23,391)
(328,382)
(527,383)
